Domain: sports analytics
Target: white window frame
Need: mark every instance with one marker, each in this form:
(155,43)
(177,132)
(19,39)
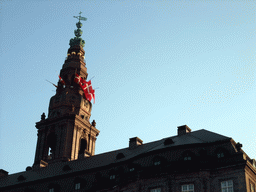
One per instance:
(155,190)
(227,186)
(188,188)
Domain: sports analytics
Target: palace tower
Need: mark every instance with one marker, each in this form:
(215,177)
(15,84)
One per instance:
(67,134)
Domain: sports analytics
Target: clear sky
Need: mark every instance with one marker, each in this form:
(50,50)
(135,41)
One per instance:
(158,65)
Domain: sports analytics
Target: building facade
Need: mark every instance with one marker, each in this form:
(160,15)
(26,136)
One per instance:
(65,160)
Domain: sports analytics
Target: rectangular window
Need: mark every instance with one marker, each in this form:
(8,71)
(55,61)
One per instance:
(77,186)
(227,186)
(156,190)
(51,190)
(187,188)
(252,187)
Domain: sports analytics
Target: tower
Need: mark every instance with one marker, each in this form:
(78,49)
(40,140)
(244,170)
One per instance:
(66,134)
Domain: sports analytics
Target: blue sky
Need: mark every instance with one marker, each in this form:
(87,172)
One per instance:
(158,65)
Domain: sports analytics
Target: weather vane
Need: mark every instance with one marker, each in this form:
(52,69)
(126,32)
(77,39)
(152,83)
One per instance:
(80,18)
(78,32)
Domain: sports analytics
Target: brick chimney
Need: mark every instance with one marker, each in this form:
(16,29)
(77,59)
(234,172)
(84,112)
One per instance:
(135,142)
(184,129)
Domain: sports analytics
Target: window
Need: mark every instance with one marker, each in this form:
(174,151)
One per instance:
(112,177)
(227,186)
(156,190)
(77,186)
(157,162)
(220,154)
(132,169)
(187,188)
(252,187)
(51,190)
(187,158)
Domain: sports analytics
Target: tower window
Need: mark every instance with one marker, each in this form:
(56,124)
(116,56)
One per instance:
(83,146)
(49,153)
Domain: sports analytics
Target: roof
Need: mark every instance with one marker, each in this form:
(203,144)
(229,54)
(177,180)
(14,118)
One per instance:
(105,159)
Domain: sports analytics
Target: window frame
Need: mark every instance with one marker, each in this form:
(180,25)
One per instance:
(157,189)
(252,187)
(227,185)
(112,177)
(77,185)
(187,185)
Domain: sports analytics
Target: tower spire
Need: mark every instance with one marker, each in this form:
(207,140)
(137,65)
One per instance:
(67,134)
(77,40)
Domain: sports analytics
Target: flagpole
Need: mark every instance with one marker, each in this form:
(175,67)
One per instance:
(91,78)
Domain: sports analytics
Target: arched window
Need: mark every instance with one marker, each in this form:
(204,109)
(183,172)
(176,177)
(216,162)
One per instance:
(72,81)
(51,142)
(83,146)
(66,80)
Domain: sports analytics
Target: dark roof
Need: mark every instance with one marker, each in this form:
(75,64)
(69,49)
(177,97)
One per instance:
(104,159)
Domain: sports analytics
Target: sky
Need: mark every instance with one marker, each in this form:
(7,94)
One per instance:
(158,65)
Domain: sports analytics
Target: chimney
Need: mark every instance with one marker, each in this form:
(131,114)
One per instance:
(135,142)
(184,129)
(3,173)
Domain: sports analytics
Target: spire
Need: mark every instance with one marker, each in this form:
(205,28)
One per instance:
(78,32)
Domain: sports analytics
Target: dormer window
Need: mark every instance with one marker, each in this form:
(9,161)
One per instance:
(77,186)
